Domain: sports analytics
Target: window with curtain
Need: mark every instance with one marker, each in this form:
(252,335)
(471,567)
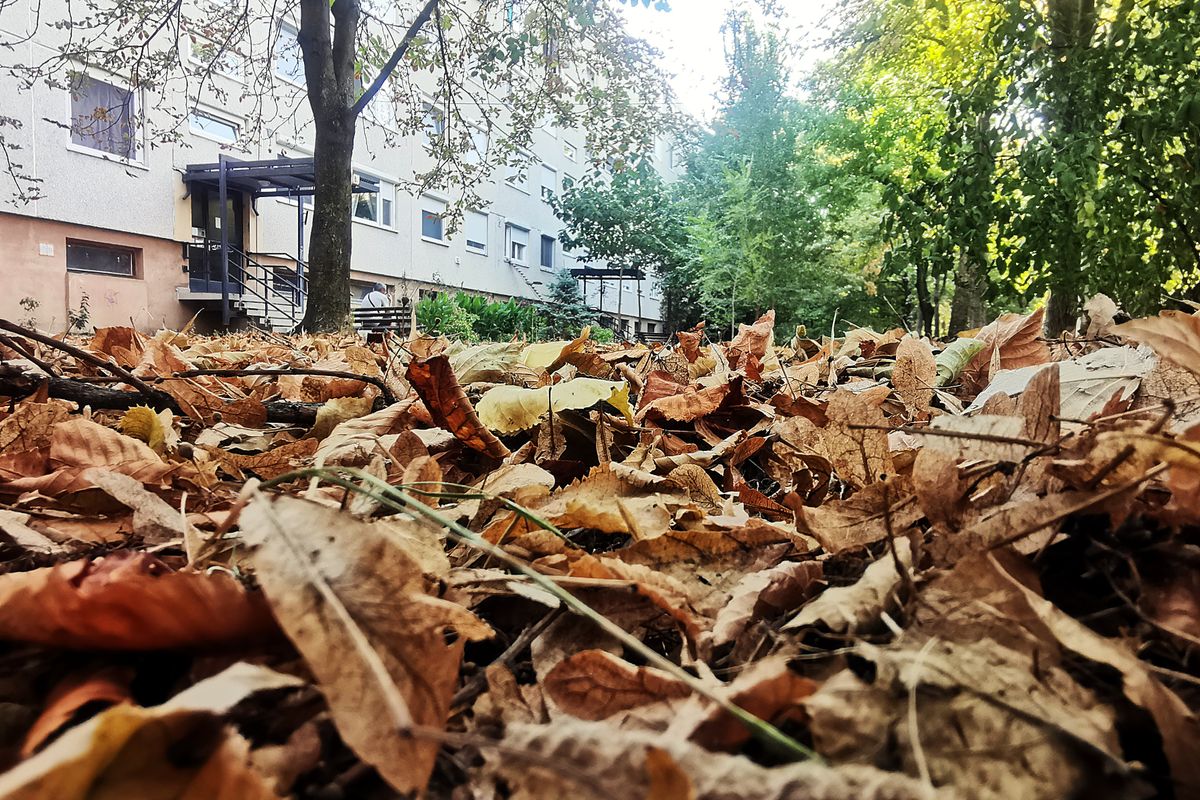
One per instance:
(104,117)
(547,261)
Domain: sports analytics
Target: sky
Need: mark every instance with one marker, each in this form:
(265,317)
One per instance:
(689,35)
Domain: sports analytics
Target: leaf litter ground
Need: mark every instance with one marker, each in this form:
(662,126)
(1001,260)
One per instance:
(878,566)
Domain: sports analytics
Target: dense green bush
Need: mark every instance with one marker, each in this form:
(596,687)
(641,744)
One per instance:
(474,317)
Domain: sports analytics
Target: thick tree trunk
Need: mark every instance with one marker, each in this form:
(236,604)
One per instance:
(329,71)
(329,248)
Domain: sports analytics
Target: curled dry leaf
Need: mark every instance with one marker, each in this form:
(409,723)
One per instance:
(846,609)
(129,601)
(366,623)
(1173,335)
(128,751)
(512,408)
(271,464)
(765,595)
(433,379)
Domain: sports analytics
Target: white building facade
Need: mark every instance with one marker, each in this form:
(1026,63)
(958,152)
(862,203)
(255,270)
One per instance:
(115,222)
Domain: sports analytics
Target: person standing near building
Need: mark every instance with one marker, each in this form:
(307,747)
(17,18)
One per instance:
(377,297)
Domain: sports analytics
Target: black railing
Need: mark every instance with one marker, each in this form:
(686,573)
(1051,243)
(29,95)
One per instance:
(279,288)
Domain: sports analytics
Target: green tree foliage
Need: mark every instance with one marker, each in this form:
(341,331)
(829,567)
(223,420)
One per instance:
(628,220)
(779,215)
(1026,148)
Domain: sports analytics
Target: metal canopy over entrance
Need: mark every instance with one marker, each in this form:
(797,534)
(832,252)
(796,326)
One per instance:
(612,274)
(278,177)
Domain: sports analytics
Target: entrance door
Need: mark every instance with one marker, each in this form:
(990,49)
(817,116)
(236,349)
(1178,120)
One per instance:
(204,258)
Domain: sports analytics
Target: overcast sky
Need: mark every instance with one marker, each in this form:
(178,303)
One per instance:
(689,35)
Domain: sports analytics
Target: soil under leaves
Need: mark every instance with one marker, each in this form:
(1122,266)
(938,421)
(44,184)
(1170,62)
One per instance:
(879,566)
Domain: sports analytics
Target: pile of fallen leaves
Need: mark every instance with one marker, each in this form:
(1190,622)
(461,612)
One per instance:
(870,567)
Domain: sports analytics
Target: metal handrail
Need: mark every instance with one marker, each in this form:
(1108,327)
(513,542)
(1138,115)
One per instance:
(292,311)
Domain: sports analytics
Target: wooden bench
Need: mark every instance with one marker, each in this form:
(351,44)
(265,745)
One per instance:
(394,319)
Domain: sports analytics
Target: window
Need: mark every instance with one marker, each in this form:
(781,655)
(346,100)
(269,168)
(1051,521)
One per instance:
(517,177)
(289,63)
(212,127)
(518,243)
(223,60)
(570,151)
(479,147)
(651,327)
(104,118)
(432,222)
(375,206)
(547,261)
(85,257)
(549,183)
(434,122)
(477,231)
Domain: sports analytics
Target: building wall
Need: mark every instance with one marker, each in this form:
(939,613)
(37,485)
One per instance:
(35,266)
(146,202)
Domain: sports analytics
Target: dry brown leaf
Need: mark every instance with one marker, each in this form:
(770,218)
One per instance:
(132,752)
(770,690)
(691,404)
(595,684)
(30,425)
(80,444)
(1173,335)
(915,374)
(1177,724)
(847,609)
(336,411)
(153,519)
(605,762)
(433,379)
(424,474)
(1012,341)
(268,465)
(129,601)
(856,437)
(358,608)
(883,509)
(766,595)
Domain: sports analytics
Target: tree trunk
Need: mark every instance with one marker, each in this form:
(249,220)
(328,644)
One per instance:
(1072,25)
(969,307)
(329,246)
(329,72)
(924,304)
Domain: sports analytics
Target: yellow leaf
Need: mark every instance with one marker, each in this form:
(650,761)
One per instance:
(511,408)
(543,354)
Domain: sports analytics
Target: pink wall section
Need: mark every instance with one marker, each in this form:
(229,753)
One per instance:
(147,299)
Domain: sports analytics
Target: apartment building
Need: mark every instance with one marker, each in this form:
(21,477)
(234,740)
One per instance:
(131,221)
